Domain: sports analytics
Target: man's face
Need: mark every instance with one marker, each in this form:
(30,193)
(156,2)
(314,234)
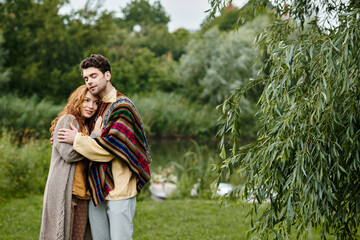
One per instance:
(95,80)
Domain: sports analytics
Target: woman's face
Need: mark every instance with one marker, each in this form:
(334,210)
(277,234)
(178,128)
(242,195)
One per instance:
(89,105)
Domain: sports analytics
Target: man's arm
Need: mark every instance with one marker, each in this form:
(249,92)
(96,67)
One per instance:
(87,146)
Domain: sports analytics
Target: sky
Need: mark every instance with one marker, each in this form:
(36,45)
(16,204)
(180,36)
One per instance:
(187,14)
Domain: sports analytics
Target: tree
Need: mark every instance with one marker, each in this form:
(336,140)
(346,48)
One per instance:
(306,158)
(141,12)
(225,21)
(141,72)
(160,41)
(25,25)
(216,62)
(4,75)
(181,37)
(157,38)
(43,46)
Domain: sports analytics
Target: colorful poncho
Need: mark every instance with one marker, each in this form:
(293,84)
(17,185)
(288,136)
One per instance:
(124,137)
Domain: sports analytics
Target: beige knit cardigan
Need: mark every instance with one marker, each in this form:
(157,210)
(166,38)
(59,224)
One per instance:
(58,190)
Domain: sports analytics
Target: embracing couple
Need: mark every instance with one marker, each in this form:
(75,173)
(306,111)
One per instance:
(100,161)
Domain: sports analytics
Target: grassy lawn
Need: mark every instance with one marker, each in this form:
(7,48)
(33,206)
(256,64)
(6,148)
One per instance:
(172,219)
(21,218)
(189,219)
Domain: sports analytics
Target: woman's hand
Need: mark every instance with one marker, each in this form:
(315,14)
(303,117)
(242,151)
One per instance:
(98,126)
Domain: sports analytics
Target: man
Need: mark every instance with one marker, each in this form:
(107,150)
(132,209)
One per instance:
(120,158)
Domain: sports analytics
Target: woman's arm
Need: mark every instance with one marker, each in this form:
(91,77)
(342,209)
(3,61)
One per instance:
(65,150)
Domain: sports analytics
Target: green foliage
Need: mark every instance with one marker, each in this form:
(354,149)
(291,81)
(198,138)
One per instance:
(27,117)
(181,37)
(142,64)
(163,114)
(141,12)
(217,62)
(24,169)
(153,37)
(43,45)
(195,172)
(157,38)
(225,22)
(140,71)
(4,75)
(306,158)
(171,114)
(55,44)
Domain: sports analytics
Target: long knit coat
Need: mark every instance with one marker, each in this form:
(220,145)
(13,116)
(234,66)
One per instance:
(58,191)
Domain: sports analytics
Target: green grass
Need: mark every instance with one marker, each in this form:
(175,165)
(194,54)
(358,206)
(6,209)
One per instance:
(189,219)
(23,168)
(21,218)
(171,219)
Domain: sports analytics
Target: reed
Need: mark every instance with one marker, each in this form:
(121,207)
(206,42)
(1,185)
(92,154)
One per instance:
(194,172)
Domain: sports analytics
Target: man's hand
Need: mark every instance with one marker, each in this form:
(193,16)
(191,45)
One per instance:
(67,135)
(98,126)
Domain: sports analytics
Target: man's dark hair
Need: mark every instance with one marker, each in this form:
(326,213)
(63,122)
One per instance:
(97,61)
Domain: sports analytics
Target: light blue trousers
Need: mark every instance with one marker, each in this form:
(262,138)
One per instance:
(112,220)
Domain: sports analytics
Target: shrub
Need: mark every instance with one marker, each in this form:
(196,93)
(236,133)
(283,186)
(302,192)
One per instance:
(173,114)
(23,169)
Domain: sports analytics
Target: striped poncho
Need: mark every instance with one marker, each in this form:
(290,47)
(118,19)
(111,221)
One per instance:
(124,137)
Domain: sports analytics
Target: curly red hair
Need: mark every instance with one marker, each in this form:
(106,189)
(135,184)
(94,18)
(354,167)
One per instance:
(73,107)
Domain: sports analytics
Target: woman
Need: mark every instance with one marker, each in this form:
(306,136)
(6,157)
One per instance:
(65,203)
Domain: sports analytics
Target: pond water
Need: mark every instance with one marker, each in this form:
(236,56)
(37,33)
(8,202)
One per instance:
(186,155)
